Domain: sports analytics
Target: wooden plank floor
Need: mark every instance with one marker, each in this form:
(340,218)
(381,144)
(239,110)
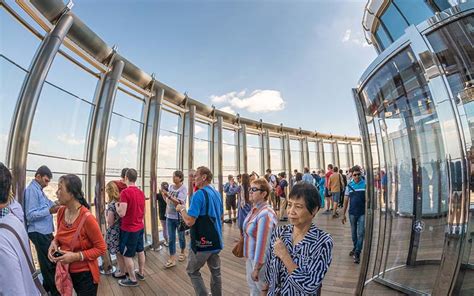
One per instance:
(340,279)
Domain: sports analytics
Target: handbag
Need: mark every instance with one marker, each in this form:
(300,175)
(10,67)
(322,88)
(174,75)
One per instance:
(62,277)
(34,272)
(204,236)
(182,225)
(238,249)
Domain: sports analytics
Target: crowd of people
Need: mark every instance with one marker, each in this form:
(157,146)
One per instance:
(289,258)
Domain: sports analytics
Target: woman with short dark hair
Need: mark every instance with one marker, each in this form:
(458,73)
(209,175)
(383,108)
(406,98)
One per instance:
(78,241)
(300,253)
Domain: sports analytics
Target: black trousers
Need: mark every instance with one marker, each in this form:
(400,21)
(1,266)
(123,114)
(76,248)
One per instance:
(83,284)
(48,268)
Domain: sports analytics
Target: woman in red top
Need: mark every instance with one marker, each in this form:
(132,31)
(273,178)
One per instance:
(81,254)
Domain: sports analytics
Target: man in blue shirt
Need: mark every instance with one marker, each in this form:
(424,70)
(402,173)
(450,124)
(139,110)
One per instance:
(204,218)
(307,177)
(355,197)
(39,221)
(231,189)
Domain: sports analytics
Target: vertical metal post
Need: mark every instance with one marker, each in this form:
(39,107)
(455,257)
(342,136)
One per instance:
(350,153)
(19,138)
(97,148)
(266,150)
(187,158)
(218,150)
(335,149)
(150,157)
(305,152)
(243,149)
(321,155)
(287,153)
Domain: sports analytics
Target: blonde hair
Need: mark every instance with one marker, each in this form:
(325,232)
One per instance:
(112,191)
(264,185)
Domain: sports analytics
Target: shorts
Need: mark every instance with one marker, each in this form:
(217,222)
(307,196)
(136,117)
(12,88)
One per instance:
(336,196)
(230,202)
(131,243)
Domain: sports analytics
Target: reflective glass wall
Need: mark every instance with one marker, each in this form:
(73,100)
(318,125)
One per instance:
(417,132)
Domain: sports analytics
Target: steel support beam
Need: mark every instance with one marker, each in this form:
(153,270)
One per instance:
(97,148)
(335,150)
(218,150)
(351,154)
(287,156)
(266,150)
(187,159)
(19,138)
(242,136)
(305,152)
(150,157)
(322,159)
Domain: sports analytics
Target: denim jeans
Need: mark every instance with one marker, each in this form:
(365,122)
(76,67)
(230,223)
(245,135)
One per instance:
(357,230)
(172,225)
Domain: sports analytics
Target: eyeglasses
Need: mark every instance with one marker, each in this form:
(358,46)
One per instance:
(255,189)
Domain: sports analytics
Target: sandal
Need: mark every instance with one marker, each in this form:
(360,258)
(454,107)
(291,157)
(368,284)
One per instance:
(181,257)
(170,264)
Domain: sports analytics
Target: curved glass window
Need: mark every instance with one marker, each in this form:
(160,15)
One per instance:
(415,12)
(394,22)
(343,156)
(254,157)
(383,38)
(202,144)
(313,156)
(276,155)
(357,154)
(328,154)
(168,146)
(295,151)
(229,157)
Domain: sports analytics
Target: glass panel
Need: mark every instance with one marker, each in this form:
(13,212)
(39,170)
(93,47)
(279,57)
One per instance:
(20,52)
(295,150)
(453,45)
(168,147)
(123,147)
(414,11)
(357,154)
(128,106)
(394,22)
(313,156)
(10,85)
(276,155)
(254,154)
(383,38)
(343,157)
(328,154)
(229,159)
(202,145)
(60,124)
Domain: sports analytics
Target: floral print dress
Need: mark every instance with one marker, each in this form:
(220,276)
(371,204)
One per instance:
(113,232)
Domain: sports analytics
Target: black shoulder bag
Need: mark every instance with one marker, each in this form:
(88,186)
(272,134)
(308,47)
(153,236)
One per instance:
(204,236)
(34,272)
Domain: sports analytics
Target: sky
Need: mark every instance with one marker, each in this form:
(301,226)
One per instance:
(290,62)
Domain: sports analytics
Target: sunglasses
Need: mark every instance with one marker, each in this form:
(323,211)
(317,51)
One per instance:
(355,175)
(255,189)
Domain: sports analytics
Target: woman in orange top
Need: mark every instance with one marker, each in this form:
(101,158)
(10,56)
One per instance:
(81,254)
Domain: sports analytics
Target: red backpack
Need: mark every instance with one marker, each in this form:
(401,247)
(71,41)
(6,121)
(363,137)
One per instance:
(279,191)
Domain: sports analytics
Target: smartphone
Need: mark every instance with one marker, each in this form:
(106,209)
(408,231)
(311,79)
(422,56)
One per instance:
(57,254)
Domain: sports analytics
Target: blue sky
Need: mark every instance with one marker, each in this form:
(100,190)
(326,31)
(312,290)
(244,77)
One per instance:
(290,62)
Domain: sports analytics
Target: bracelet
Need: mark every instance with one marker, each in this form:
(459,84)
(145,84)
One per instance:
(82,256)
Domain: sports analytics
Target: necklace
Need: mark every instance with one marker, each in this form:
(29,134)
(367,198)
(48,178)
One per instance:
(70,218)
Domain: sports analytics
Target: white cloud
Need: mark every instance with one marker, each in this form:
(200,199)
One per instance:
(111,143)
(356,38)
(259,101)
(228,109)
(132,139)
(198,129)
(70,140)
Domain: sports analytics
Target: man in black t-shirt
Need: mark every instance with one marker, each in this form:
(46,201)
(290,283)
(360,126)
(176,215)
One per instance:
(162,211)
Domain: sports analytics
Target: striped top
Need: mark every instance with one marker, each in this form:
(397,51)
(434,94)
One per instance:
(313,255)
(258,226)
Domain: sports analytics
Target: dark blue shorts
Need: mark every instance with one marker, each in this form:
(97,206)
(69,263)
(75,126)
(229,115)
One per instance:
(131,243)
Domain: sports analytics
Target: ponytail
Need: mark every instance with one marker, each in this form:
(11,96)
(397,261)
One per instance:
(74,186)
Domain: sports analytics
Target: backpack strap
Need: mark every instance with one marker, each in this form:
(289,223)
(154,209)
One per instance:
(79,228)
(34,273)
(206,196)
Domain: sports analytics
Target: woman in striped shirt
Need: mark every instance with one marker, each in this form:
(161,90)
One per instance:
(258,226)
(300,253)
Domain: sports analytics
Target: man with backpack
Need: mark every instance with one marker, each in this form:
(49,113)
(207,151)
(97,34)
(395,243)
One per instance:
(205,219)
(355,198)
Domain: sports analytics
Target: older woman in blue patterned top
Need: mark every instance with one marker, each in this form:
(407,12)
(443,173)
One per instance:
(300,253)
